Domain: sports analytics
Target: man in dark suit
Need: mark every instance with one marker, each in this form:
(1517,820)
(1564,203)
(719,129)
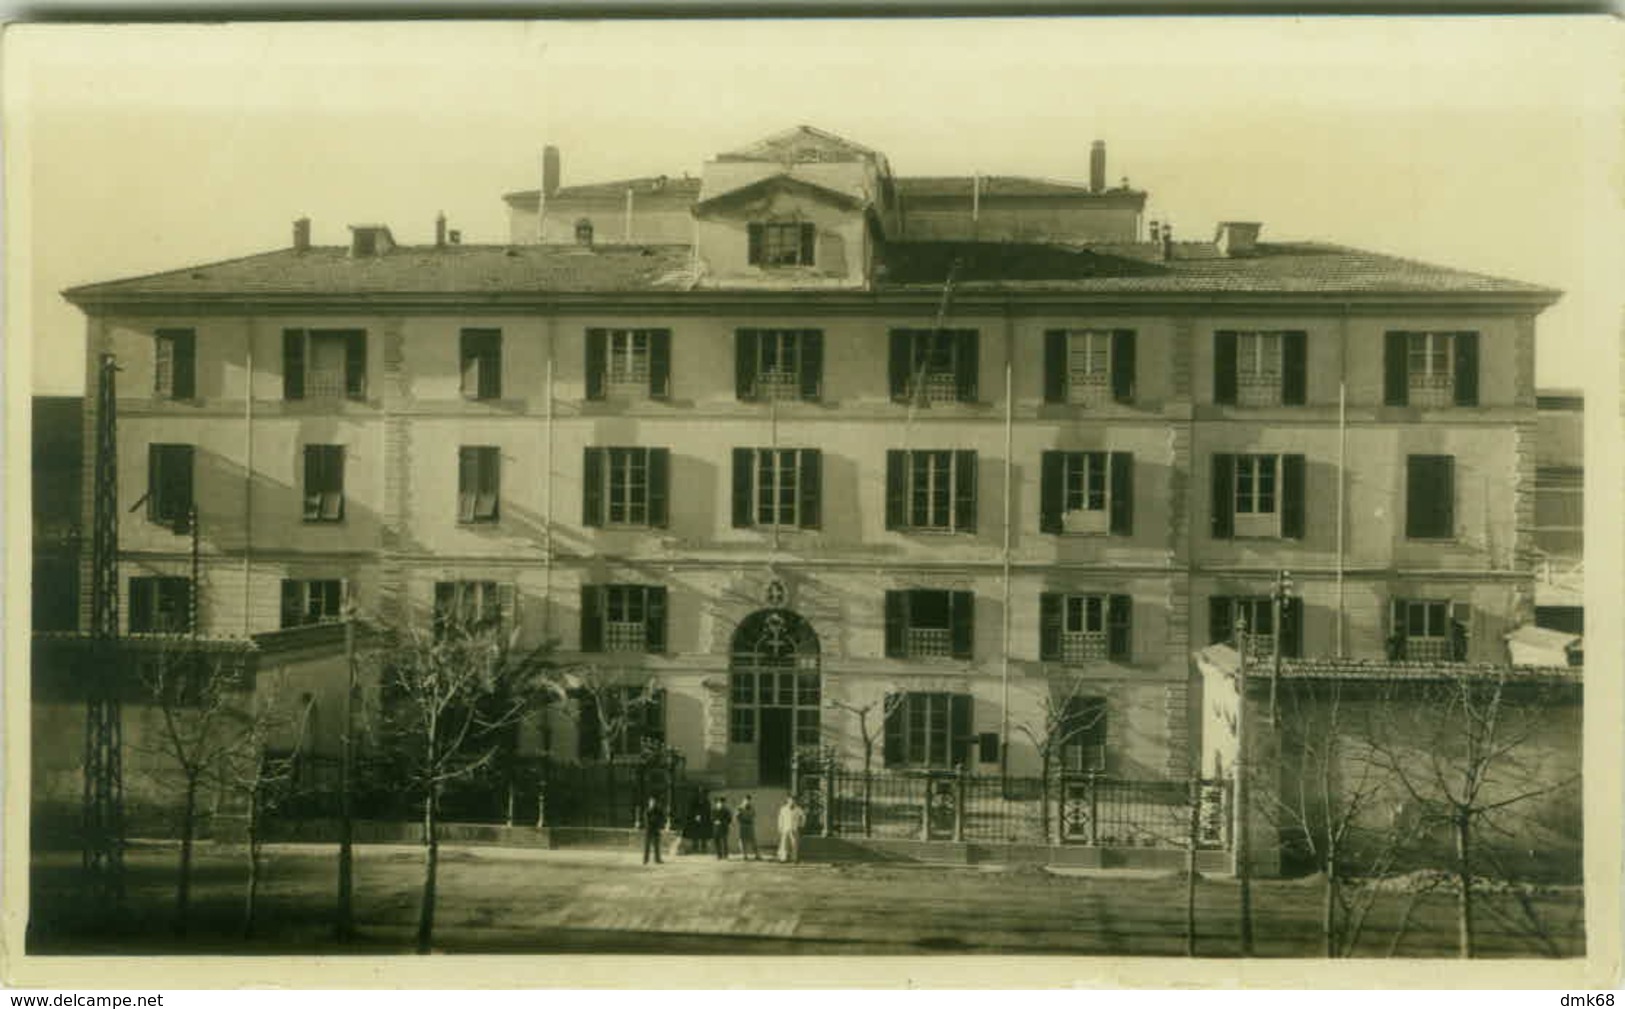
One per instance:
(654,821)
(721,820)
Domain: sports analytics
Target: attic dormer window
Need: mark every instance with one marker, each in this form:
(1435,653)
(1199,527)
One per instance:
(583,232)
(789,243)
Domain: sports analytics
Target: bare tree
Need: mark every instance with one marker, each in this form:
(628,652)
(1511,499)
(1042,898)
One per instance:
(1063,719)
(617,701)
(868,735)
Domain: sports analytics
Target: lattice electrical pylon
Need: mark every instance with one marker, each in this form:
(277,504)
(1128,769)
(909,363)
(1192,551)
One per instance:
(104,773)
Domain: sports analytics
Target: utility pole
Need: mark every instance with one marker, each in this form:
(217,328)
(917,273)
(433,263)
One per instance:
(103,810)
(345,924)
(1244,869)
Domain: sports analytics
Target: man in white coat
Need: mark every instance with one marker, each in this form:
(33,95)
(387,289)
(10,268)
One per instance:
(791,819)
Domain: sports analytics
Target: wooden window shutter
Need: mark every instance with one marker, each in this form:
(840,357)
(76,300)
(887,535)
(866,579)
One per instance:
(1396,369)
(1122,493)
(1055,366)
(293,364)
(809,244)
(960,736)
(488,498)
(1224,497)
(468,482)
(965,490)
(1051,491)
(1290,633)
(654,625)
(745,365)
(1430,497)
(660,364)
(896,489)
(812,365)
(659,488)
(967,364)
(355,364)
(592,487)
(1221,620)
(744,488)
(1049,626)
(1224,366)
(183,381)
(1466,362)
(491,373)
(809,487)
(1294,479)
(142,604)
(900,364)
(156,508)
(1120,628)
(892,746)
(1294,367)
(754,232)
(896,624)
(293,603)
(962,617)
(592,618)
(597,363)
(1123,366)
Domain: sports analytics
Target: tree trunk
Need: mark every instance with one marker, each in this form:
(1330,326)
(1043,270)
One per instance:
(868,764)
(1328,910)
(1464,887)
(252,894)
(431,867)
(183,881)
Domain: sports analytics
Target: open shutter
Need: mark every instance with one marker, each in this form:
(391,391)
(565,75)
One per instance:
(1051,491)
(812,365)
(753,254)
(1120,628)
(896,624)
(1221,620)
(1224,498)
(1123,368)
(809,487)
(959,729)
(1294,367)
(592,487)
(1290,633)
(468,483)
(180,488)
(745,365)
(962,617)
(491,373)
(900,364)
(293,364)
(293,603)
(1293,480)
(1049,626)
(654,619)
(744,488)
(967,364)
(659,487)
(592,618)
(1122,493)
(896,489)
(660,364)
(355,364)
(809,244)
(1461,630)
(487,500)
(892,745)
(183,380)
(142,591)
(1224,366)
(965,490)
(597,363)
(1055,366)
(1395,370)
(1466,353)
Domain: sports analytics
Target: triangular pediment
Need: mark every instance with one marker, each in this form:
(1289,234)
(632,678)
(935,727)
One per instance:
(801,145)
(747,191)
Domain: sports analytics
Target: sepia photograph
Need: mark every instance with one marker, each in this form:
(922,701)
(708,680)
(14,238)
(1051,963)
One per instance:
(930,491)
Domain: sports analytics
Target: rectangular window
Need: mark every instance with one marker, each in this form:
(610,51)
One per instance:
(1259,612)
(1260,367)
(782,243)
(623,618)
(934,365)
(324,483)
(481,352)
(629,363)
(1084,628)
(930,490)
(160,605)
(170,494)
(1259,496)
(928,730)
(1431,369)
(779,364)
(1087,492)
(930,623)
(776,487)
(175,364)
(471,606)
(625,487)
(635,717)
(324,364)
(479,471)
(1083,734)
(312,601)
(1430,497)
(1089,367)
(1429,630)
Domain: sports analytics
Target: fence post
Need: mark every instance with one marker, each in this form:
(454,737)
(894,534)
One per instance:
(1094,809)
(925,808)
(541,796)
(959,802)
(829,795)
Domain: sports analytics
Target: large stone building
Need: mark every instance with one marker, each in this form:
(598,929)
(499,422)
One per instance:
(802,431)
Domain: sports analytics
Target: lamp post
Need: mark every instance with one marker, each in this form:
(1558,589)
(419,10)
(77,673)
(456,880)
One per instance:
(1242,833)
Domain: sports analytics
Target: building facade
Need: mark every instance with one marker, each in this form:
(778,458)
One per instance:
(937,449)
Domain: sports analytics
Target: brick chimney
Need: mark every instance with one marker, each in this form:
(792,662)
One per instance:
(550,170)
(301,235)
(1237,238)
(440,230)
(1097,166)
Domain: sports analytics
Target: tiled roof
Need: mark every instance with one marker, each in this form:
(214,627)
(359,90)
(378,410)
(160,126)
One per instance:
(1222,658)
(959,186)
(679,189)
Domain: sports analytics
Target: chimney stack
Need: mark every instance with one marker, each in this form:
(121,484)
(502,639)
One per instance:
(1097,166)
(1237,238)
(440,230)
(301,235)
(550,171)
(456,236)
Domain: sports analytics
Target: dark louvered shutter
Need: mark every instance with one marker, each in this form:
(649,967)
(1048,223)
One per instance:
(660,364)
(965,490)
(755,232)
(589,734)
(1293,495)
(959,729)
(355,364)
(1220,620)
(654,619)
(1051,491)
(592,487)
(812,365)
(184,365)
(899,364)
(659,487)
(1120,628)
(744,488)
(809,487)
(1123,368)
(179,490)
(1466,352)
(597,363)
(745,365)
(156,506)
(967,364)
(293,364)
(962,617)
(1049,626)
(142,604)
(1290,633)
(809,244)
(1224,366)
(592,618)
(1122,493)
(1055,366)
(293,603)
(896,624)
(892,745)
(1294,367)
(896,489)
(1395,370)
(1224,498)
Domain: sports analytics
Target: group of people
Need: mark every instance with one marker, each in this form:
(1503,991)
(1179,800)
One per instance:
(711,827)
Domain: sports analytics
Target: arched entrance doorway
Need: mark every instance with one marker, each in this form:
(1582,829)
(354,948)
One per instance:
(774,690)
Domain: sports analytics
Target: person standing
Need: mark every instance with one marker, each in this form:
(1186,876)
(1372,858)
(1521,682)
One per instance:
(791,819)
(721,820)
(745,815)
(654,821)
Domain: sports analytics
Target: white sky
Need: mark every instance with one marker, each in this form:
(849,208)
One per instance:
(1486,144)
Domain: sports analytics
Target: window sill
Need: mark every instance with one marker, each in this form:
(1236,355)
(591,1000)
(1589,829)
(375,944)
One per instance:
(921,531)
(323,522)
(1436,540)
(478,522)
